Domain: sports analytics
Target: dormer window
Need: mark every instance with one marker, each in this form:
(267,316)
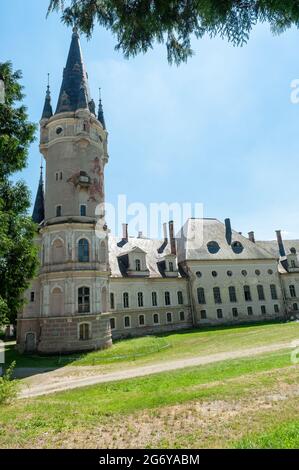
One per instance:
(137,265)
(171,269)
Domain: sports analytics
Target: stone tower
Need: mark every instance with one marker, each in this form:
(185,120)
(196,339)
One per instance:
(67,303)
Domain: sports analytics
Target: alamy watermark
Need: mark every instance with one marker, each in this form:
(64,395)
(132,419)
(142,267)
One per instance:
(149,219)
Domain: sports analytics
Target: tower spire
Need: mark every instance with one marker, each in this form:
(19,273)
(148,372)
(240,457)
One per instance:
(101,111)
(74,93)
(47,111)
(38,214)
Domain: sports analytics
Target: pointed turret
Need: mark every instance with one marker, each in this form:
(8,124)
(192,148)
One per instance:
(47,111)
(38,214)
(101,113)
(74,93)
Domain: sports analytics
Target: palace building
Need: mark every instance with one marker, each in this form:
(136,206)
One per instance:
(93,287)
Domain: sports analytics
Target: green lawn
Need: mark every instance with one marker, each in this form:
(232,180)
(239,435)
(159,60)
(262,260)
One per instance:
(153,349)
(165,410)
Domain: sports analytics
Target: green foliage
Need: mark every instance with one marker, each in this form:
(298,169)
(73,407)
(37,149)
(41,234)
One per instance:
(8,386)
(284,436)
(18,256)
(138,24)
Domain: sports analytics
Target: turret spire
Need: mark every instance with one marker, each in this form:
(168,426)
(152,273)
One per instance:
(101,111)
(74,93)
(47,111)
(38,214)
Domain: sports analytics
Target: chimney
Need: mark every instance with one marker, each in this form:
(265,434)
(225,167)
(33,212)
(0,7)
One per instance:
(280,243)
(125,232)
(171,238)
(165,232)
(251,237)
(228,231)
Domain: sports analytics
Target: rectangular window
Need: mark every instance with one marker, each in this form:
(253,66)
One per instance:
(219,313)
(273,291)
(167,298)
(263,310)
(293,291)
(84,332)
(140,299)
(180,298)
(58,211)
(112,303)
(141,320)
(276,308)
(83,210)
(169,317)
(249,311)
(156,318)
(247,293)
(295,307)
(217,295)
(171,267)
(32,296)
(260,292)
(84,300)
(235,312)
(154,299)
(201,295)
(112,323)
(203,314)
(182,316)
(232,294)
(126,299)
(127,322)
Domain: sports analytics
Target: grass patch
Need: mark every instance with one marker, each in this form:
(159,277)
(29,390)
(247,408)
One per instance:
(153,349)
(284,436)
(29,420)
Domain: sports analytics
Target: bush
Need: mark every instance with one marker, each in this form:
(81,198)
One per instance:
(8,386)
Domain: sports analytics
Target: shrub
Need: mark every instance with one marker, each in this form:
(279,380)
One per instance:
(8,386)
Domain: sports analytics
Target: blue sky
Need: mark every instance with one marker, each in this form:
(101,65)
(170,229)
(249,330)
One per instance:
(220,129)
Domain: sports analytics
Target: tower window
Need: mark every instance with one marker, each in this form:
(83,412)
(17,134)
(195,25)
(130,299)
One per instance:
(83,250)
(58,211)
(84,331)
(83,210)
(84,300)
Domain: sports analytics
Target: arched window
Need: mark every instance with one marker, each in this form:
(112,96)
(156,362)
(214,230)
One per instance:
(137,265)
(84,331)
(126,299)
(83,250)
(167,298)
(140,299)
(84,300)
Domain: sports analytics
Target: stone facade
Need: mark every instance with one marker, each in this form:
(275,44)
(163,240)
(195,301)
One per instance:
(93,287)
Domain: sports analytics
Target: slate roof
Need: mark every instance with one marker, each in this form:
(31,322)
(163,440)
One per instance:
(195,235)
(38,214)
(47,111)
(74,93)
(272,246)
(118,247)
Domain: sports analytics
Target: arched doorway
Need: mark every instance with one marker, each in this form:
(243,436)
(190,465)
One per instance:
(30,343)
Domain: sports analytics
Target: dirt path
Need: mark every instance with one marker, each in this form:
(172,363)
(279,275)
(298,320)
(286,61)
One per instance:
(67,378)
